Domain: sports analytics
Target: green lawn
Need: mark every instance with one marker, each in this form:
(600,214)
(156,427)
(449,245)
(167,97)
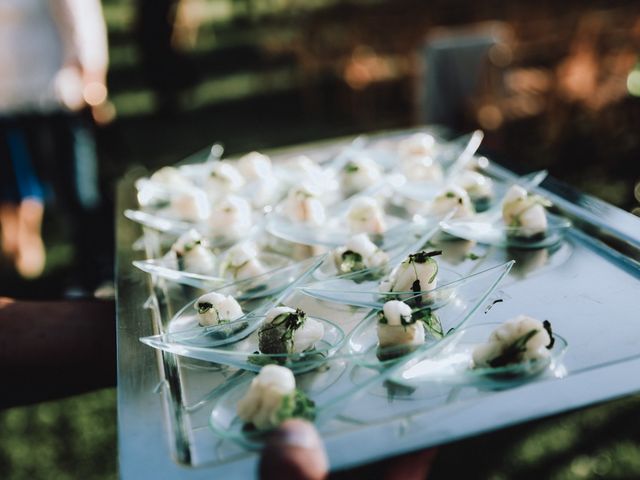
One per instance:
(72,439)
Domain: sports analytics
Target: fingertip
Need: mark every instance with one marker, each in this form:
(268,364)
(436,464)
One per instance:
(294,451)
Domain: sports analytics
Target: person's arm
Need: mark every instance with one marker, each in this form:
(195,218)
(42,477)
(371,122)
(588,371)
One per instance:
(83,34)
(52,349)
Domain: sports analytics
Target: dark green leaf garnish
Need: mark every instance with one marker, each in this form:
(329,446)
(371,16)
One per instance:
(351,167)
(415,288)
(204,307)
(423,256)
(404,320)
(278,336)
(181,263)
(351,262)
(547,326)
(513,353)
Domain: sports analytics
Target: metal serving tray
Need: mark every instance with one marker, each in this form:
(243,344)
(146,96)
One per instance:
(588,288)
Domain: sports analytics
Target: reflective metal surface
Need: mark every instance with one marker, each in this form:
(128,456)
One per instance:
(587,287)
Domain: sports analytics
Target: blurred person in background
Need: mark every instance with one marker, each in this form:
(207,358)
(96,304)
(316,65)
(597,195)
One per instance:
(53,64)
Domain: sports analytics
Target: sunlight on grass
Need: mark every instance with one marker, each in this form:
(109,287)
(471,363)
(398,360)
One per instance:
(209,92)
(123,56)
(240,86)
(118,16)
(67,439)
(543,441)
(133,103)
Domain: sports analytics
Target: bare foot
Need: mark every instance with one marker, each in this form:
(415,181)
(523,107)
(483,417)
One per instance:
(31,257)
(9,227)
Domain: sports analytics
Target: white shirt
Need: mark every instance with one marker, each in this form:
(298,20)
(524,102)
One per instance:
(38,38)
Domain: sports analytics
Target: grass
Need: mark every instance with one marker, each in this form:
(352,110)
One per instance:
(68,439)
(597,442)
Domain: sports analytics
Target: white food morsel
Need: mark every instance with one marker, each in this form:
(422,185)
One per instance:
(276,312)
(171,177)
(242,260)
(396,312)
(304,168)
(192,253)
(506,334)
(306,336)
(267,391)
(476,184)
(224,178)
(399,330)
(231,217)
(360,173)
(263,186)
(215,308)
(417,144)
(371,255)
(403,277)
(303,204)
(519,209)
(301,169)
(191,205)
(421,168)
(365,215)
(255,166)
(453,199)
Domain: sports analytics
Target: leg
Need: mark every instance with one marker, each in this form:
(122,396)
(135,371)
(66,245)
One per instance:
(21,222)
(9,227)
(30,259)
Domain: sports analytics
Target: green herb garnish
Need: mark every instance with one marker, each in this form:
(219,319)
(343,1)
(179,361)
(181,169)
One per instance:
(535,200)
(422,257)
(430,321)
(351,262)
(278,336)
(297,405)
(351,167)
